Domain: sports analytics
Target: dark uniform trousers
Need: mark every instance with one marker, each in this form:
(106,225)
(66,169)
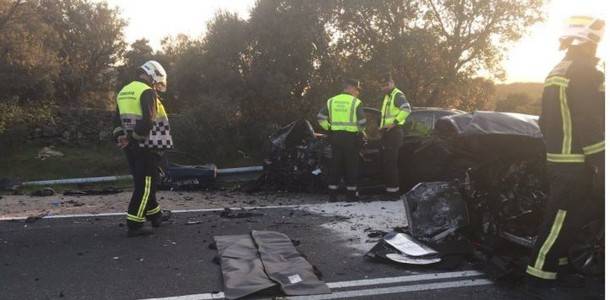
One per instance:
(391,142)
(144,167)
(345,159)
(569,198)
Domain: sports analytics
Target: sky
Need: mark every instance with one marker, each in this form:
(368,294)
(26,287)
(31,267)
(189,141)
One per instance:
(527,60)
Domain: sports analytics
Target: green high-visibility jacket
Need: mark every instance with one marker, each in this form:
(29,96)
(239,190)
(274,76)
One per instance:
(130,111)
(393,112)
(342,113)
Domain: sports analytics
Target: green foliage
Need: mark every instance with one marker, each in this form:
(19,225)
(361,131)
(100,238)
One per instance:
(59,50)
(231,87)
(82,161)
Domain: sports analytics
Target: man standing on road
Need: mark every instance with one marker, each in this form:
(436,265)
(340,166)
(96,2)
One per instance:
(572,122)
(142,131)
(344,117)
(394,111)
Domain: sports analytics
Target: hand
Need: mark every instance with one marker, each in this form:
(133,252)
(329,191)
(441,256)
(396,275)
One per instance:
(122,141)
(389,127)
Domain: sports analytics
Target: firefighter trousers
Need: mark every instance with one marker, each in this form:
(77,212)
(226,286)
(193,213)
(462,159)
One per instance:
(144,167)
(391,142)
(565,213)
(345,160)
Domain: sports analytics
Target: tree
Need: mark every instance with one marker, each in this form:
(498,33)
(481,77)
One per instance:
(434,46)
(287,48)
(138,53)
(28,59)
(519,102)
(91,38)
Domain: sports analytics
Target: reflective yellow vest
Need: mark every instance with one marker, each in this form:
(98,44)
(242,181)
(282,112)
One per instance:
(342,113)
(389,111)
(130,111)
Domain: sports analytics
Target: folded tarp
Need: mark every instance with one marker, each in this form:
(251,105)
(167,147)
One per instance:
(264,259)
(242,269)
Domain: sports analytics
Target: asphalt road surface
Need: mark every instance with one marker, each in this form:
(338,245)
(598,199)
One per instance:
(89,257)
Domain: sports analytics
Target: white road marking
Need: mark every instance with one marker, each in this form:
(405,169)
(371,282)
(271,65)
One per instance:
(396,289)
(370,282)
(388,280)
(173,211)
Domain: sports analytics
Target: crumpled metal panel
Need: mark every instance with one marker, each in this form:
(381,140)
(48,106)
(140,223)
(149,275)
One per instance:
(491,123)
(286,266)
(435,210)
(242,270)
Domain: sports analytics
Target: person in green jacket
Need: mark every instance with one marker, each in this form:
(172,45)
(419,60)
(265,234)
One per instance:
(343,116)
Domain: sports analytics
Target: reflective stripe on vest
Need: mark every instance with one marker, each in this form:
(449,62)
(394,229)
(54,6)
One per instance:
(342,113)
(389,111)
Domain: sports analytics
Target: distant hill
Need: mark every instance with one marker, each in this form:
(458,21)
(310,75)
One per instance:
(523,97)
(531,89)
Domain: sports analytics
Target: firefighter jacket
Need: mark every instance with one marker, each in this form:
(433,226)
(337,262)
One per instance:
(572,119)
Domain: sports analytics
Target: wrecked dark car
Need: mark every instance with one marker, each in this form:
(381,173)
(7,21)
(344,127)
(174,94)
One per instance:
(496,162)
(298,155)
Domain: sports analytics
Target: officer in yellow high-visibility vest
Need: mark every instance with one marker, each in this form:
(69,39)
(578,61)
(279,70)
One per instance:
(343,116)
(142,130)
(394,111)
(572,123)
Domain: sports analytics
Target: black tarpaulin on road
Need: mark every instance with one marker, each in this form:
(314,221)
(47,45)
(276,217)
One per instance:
(264,259)
(242,269)
(286,266)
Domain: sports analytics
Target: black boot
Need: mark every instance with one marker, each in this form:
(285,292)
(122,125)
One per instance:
(333,196)
(542,289)
(352,196)
(391,196)
(133,231)
(158,219)
(570,280)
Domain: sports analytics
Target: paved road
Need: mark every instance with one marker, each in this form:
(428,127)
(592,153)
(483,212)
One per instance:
(90,258)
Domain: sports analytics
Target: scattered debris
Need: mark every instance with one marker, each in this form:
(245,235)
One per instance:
(74,203)
(238,214)
(32,219)
(47,152)
(106,191)
(193,222)
(375,233)
(401,248)
(45,192)
(177,177)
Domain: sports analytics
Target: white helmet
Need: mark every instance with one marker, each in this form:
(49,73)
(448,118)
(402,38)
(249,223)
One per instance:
(156,71)
(582,29)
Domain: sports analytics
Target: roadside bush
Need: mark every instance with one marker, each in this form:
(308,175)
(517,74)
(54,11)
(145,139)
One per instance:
(208,131)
